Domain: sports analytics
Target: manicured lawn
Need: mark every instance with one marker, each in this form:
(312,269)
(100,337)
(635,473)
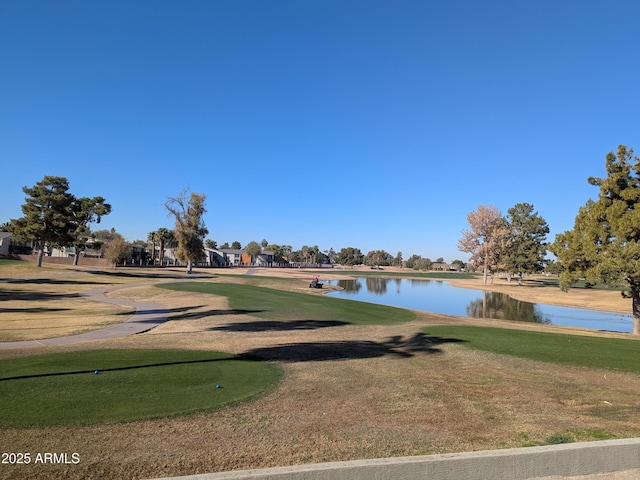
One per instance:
(63,388)
(592,352)
(280,305)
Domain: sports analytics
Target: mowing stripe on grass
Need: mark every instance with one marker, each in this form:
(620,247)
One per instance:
(274,304)
(586,351)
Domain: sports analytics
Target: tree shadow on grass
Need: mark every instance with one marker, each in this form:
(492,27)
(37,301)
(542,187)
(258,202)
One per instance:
(117,369)
(279,326)
(186,314)
(33,310)
(396,347)
(33,296)
(54,281)
(167,276)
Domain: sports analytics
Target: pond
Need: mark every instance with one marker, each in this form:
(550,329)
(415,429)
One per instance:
(439,297)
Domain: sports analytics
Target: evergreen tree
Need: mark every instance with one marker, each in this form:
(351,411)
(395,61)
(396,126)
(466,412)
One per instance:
(604,245)
(84,212)
(48,218)
(527,234)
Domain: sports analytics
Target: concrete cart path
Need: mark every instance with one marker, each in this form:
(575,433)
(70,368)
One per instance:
(146,317)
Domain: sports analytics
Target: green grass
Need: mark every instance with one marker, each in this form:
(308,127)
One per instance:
(585,351)
(63,388)
(7,261)
(274,304)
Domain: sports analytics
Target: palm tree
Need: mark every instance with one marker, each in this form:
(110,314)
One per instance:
(305,251)
(163,236)
(152,238)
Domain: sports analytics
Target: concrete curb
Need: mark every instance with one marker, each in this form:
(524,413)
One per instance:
(566,460)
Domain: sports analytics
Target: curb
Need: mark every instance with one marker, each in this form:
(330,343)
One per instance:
(566,460)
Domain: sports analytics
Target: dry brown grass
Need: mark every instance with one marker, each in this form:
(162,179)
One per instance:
(47,302)
(385,396)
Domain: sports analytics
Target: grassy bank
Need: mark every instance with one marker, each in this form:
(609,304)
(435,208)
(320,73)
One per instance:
(585,351)
(274,304)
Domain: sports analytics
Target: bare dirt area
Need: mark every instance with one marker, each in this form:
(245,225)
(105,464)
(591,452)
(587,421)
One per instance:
(349,392)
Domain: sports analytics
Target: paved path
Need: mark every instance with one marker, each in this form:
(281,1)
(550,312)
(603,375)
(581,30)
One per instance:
(146,317)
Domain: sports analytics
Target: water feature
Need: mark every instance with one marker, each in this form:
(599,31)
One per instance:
(439,297)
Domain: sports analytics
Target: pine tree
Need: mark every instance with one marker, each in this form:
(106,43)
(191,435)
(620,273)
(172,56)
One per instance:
(48,218)
(604,245)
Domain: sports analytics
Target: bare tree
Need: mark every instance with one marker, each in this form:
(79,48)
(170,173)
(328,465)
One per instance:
(190,229)
(486,238)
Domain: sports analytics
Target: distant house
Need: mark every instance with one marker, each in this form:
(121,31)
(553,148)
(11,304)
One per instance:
(441,266)
(214,257)
(265,259)
(231,257)
(69,251)
(226,257)
(5,240)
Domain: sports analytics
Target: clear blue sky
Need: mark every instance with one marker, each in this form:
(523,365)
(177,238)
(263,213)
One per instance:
(372,124)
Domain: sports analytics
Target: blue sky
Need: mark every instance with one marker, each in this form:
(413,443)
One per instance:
(371,124)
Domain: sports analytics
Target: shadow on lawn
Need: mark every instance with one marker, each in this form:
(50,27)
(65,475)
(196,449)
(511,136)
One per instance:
(351,349)
(33,310)
(185,314)
(53,281)
(168,275)
(117,369)
(279,326)
(33,296)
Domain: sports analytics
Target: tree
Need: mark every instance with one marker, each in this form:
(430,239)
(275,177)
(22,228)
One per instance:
(416,262)
(458,264)
(47,214)
(604,245)
(118,251)
(236,245)
(314,251)
(309,254)
(486,238)
(527,234)
(164,236)
(279,250)
(84,212)
(350,256)
(152,239)
(378,257)
(190,229)
(253,248)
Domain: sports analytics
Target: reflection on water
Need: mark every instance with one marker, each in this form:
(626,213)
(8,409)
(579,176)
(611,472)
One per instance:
(501,305)
(437,296)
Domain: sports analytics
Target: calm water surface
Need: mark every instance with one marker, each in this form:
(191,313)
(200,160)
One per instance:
(439,297)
